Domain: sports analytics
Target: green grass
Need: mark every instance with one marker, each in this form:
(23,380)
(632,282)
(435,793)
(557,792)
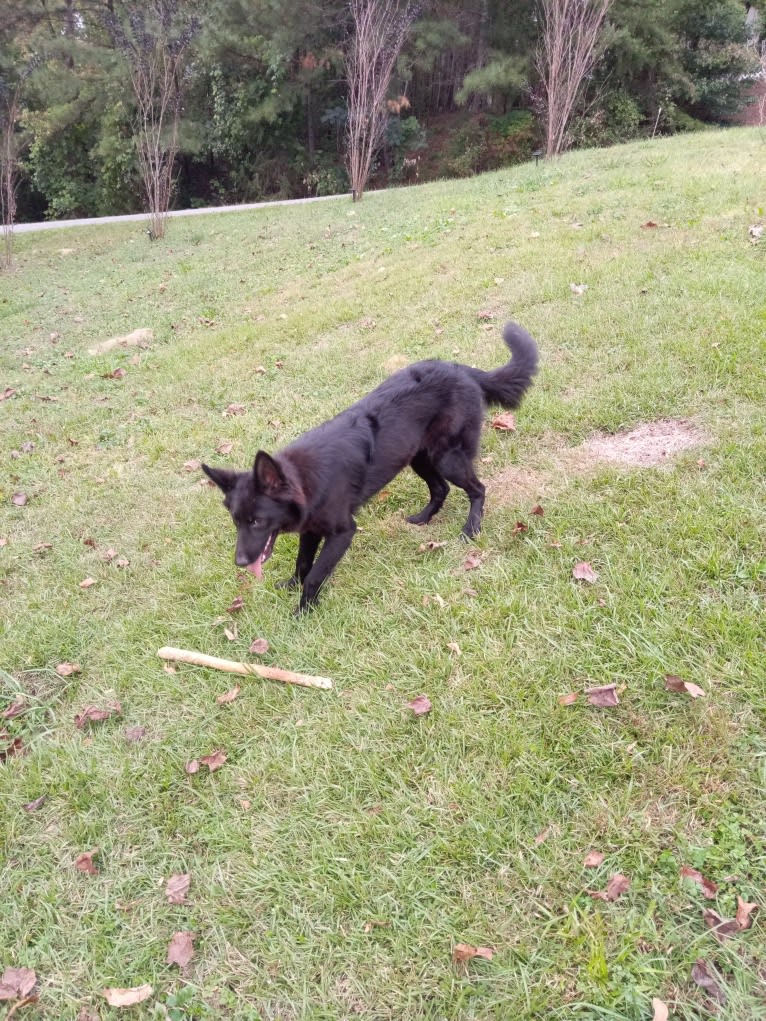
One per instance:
(338,810)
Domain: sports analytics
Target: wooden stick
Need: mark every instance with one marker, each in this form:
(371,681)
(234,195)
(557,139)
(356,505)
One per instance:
(272,673)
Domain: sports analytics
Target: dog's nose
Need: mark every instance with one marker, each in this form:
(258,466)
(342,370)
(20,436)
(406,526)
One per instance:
(240,560)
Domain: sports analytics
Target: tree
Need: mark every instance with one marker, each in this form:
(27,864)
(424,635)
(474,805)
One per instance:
(155,39)
(380,28)
(570,32)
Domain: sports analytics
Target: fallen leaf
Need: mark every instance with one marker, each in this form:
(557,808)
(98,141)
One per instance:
(259,646)
(177,887)
(236,606)
(593,859)
(454,647)
(14,709)
(117,374)
(471,562)
(231,633)
(420,705)
(537,509)
(228,696)
(675,683)
(134,733)
(660,1009)
(121,562)
(578,289)
(615,888)
(235,409)
(193,465)
(519,527)
(583,571)
(92,714)
(543,835)
(192,767)
(259,370)
(34,806)
(127,997)
(87,582)
(84,862)
(466,952)
(430,545)
(8,392)
(16,983)
(707,886)
(569,698)
(506,422)
(649,225)
(67,669)
(16,747)
(213,761)
(181,949)
(744,910)
(701,974)
(485,315)
(722,927)
(376,923)
(19,499)
(604,696)
(224,447)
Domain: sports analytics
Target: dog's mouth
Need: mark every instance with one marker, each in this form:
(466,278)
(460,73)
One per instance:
(256,567)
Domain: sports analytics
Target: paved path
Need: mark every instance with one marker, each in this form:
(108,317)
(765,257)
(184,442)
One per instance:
(23,228)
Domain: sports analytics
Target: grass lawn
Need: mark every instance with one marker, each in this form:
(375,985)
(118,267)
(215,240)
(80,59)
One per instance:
(346,846)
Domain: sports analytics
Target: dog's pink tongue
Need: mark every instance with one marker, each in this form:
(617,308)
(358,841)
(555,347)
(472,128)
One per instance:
(256,568)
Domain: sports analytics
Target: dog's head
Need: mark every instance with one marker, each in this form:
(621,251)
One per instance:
(262,504)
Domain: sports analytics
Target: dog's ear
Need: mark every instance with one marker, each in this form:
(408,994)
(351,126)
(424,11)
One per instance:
(224,478)
(268,474)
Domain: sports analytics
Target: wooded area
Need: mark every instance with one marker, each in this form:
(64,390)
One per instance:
(243,100)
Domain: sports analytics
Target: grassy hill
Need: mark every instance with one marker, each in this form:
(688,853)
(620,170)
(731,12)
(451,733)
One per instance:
(346,847)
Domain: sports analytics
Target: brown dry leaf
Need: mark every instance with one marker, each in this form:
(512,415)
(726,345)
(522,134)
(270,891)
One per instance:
(259,646)
(519,527)
(67,669)
(33,806)
(87,582)
(675,683)
(92,714)
(19,499)
(466,952)
(376,923)
(213,761)
(649,225)
(8,392)
(17,983)
(707,886)
(236,606)
(593,859)
(16,747)
(604,696)
(615,888)
(117,374)
(127,997)
(42,547)
(701,974)
(420,705)
(722,927)
(122,562)
(543,835)
(569,698)
(193,465)
(84,862)
(471,562)
(231,633)
(224,448)
(109,554)
(228,696)
(505,422)
(661,1012)
(192,767)
(430,545)
(181,949)
(485,315)
(537,510)
(744,910)
(454,647)
(235,409)
(134,734)
(14,709)
(177,887)
(583,571)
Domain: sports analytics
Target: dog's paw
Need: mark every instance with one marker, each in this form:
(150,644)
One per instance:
(287,583)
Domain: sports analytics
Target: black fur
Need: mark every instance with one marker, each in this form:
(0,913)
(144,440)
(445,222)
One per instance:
(428,416)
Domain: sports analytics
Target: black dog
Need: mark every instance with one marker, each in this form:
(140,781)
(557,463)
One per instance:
(428,416)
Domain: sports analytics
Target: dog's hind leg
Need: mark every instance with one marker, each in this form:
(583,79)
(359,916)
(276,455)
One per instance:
(457,468)
(332,550)
(422,465)
(308,544)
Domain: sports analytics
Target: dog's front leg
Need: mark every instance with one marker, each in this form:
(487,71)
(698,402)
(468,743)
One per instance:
(308,544)
(333,549)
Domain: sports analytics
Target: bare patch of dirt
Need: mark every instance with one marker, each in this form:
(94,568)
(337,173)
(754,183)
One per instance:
(648,445)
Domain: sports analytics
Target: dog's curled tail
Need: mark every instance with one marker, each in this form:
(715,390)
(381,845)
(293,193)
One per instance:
(508,384)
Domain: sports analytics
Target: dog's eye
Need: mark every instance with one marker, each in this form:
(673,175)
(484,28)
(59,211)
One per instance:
(253,523)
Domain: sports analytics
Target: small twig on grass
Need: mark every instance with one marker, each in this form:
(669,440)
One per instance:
(232,667)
